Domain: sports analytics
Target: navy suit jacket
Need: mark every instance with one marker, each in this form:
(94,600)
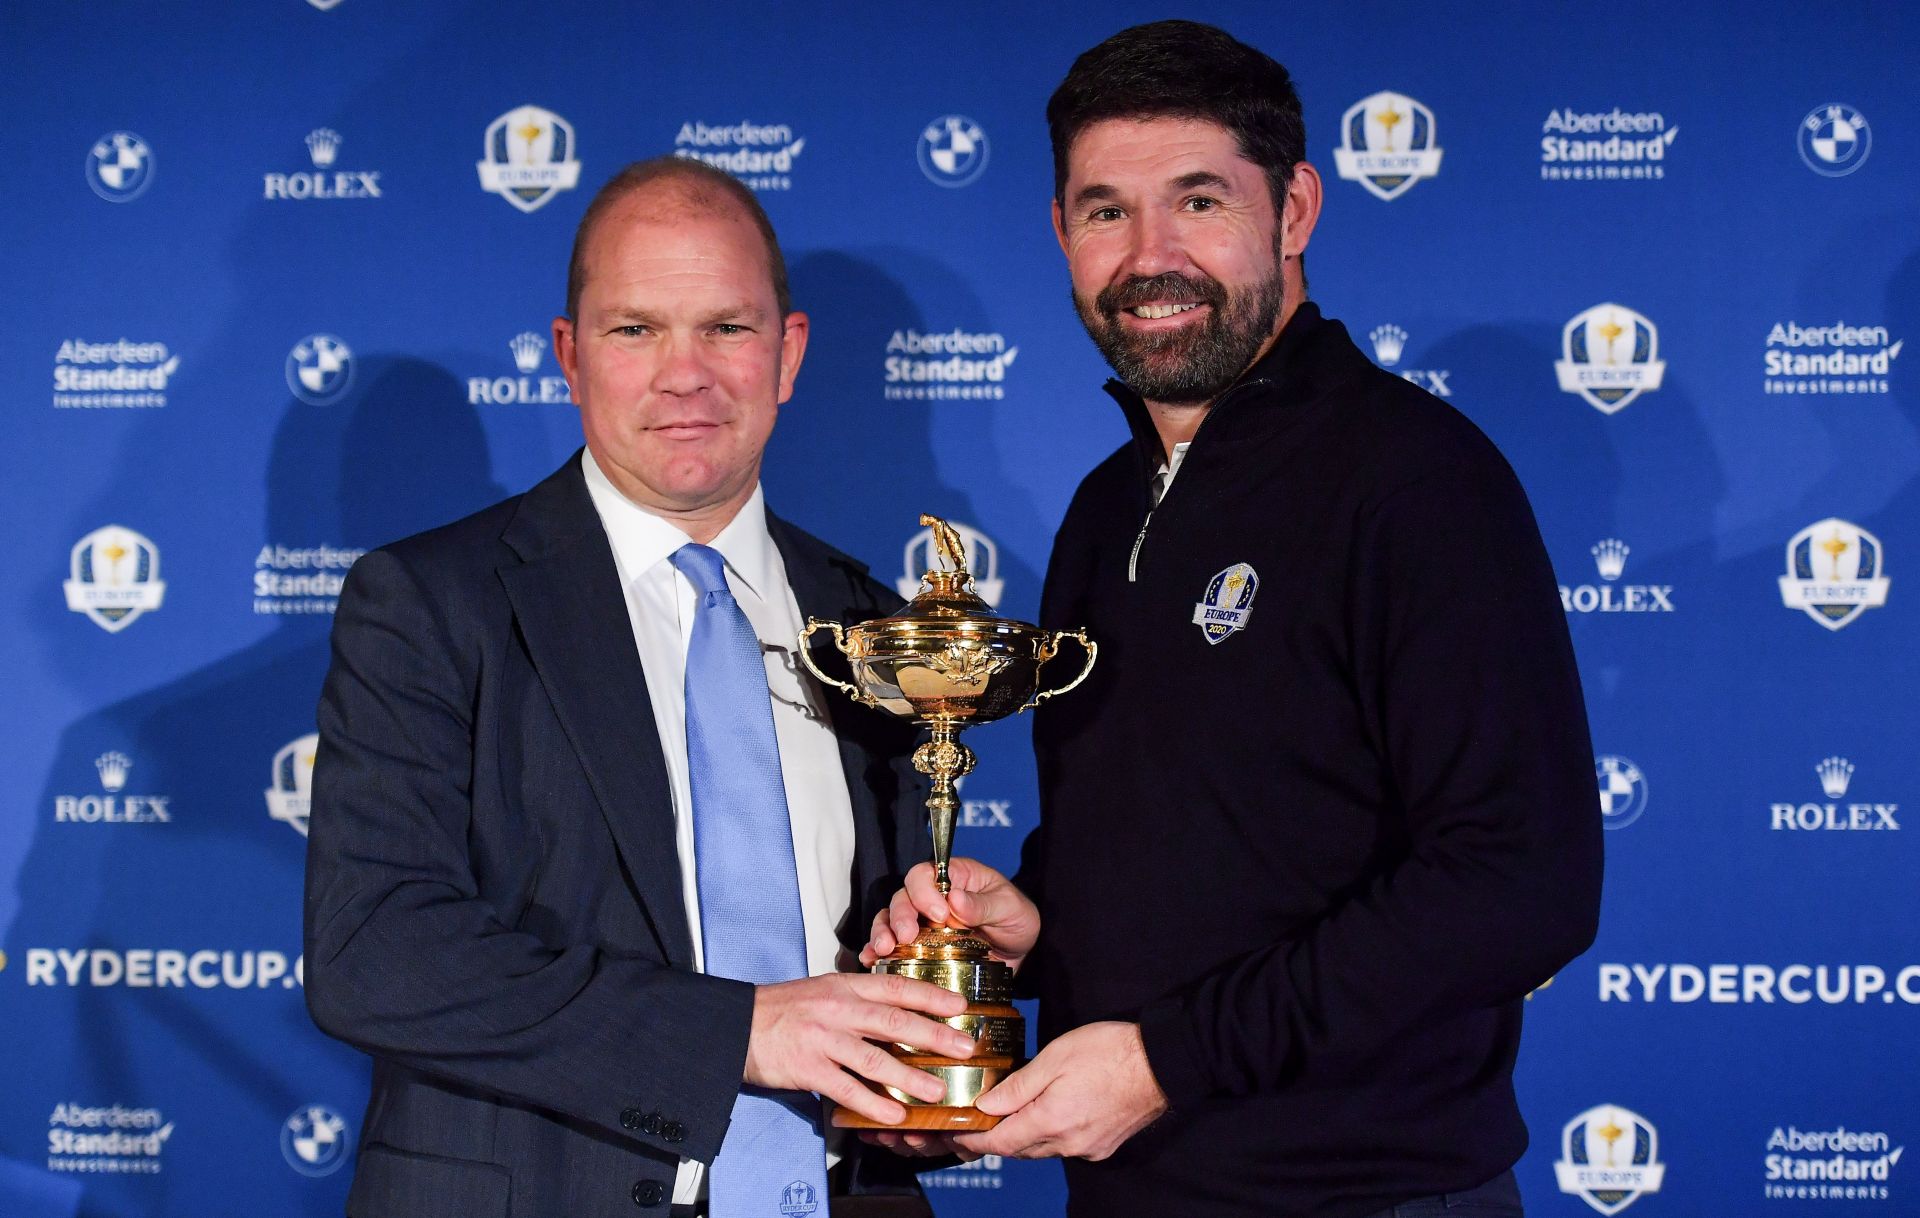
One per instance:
(493,904)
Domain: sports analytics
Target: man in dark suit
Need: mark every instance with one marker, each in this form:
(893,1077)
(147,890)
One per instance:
(585,844)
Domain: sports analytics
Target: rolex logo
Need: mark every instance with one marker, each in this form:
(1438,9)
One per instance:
(1388,342)
(113,769)
(323,145)
(527,347)
(1610,555)
(1835,774)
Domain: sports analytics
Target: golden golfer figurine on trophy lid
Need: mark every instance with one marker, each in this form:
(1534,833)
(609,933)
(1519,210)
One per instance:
(947,662)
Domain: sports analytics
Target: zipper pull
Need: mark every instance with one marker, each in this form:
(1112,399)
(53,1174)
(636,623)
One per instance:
(1133,559)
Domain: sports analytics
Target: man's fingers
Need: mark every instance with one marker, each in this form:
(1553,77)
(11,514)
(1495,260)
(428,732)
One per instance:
(1015,1091)
(913,995)
(849,1092)
(870,1061)
(880,940)
(924,892)
(903,919)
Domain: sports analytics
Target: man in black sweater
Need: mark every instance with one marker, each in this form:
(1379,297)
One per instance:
(1323,814)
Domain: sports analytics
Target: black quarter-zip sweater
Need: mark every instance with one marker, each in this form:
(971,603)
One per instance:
(1322,859)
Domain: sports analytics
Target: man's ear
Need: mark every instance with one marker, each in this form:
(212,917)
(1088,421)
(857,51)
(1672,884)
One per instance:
(1300,210)
(566,354)
(793,348)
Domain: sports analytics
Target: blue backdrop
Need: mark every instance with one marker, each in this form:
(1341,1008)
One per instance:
(267,274)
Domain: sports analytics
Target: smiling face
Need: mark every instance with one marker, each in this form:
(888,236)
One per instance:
(1178,253)
(678,356)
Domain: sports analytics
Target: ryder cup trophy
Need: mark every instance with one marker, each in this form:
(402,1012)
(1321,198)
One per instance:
(947,662)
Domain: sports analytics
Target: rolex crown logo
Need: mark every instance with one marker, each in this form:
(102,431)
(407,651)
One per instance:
(1835,774)
(113,769)
(1388,342)
(323,144)
(1610,555)
(527,347)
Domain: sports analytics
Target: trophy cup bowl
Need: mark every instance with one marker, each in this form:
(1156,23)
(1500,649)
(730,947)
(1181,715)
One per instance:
(947,662)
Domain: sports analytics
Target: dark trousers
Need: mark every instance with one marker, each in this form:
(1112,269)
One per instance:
(1497,1198)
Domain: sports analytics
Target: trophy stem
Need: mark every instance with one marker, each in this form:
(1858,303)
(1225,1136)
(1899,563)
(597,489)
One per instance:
(944,759)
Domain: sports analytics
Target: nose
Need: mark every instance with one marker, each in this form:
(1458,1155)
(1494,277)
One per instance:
(1154,246)
(683,370)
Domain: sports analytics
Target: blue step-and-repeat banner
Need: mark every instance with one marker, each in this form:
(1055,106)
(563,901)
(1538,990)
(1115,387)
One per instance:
(277,285)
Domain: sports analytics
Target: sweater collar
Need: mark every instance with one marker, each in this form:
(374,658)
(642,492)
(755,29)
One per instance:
(1311,354)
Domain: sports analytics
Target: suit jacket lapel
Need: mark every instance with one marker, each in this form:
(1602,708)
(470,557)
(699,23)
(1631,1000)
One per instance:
(567,598)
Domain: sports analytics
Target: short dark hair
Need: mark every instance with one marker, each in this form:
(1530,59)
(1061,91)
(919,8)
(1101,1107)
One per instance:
(705,187)
(1183,69)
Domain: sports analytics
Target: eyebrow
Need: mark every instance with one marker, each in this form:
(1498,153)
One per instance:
(1101,191)
(744,311)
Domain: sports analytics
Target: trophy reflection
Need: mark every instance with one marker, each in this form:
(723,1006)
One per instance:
(947,662)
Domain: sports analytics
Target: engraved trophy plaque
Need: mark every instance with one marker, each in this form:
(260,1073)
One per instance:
(947,662)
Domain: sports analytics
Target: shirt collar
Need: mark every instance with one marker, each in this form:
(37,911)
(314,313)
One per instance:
(641,539)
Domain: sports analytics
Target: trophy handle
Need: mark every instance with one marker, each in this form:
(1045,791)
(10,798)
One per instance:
(1049,648)
(840,641)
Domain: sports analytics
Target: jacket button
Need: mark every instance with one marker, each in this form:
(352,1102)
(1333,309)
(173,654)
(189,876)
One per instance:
(630,1118)
(648,1192)
(673,1131)
(650,1124)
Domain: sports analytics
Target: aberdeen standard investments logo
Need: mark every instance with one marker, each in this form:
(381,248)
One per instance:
(1387,144)
(1604,145)
(115,577)
(952,150)
(531,156)
(1837,358)
(1609,1158)
(113,1139)
(121,373)
(761,155)
(1609,355)
(1836,571)
(952,365)
(1837,1164)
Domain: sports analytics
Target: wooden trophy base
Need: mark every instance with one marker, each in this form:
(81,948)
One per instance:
(954,960)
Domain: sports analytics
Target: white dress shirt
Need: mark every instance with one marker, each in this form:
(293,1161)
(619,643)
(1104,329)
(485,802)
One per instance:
(660,608)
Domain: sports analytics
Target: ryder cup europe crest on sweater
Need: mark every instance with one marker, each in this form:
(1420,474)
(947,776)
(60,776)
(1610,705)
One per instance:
(1228,602)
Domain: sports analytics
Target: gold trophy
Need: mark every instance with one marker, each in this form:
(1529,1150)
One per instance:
(947,662)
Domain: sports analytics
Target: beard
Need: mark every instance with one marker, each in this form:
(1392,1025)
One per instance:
(1194,365)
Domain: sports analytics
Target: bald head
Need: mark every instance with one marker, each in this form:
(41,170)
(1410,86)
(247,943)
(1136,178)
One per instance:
(667,187)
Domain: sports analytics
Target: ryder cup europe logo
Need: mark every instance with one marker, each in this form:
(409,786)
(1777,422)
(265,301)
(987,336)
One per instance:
(983,559)
(290,798)
(797,1200)
(115,577)
(1609,356)
(119,167)
(1228,602)
(1386,144)
(530,157)
(1623,791)
(1609,1157)
(953,150)
(1835,572)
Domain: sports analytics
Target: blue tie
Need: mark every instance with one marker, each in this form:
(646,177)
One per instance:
(773,1163)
